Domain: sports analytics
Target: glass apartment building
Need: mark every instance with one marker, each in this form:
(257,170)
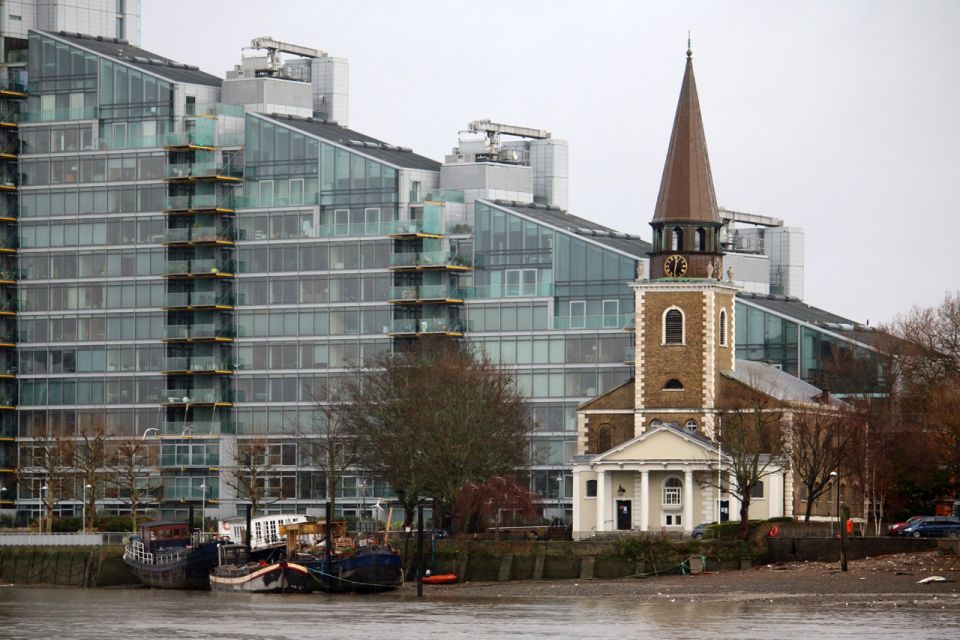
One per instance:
(190,275)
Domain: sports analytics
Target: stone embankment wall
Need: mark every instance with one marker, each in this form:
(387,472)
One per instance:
(828,549)
(67,566)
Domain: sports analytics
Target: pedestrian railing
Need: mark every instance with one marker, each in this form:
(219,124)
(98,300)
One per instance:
(76,539)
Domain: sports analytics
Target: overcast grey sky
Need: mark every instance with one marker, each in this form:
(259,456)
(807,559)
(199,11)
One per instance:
(839,117)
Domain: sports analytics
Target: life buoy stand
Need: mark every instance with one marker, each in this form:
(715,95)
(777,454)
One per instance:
(774,531)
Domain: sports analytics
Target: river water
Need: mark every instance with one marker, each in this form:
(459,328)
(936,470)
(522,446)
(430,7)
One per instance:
(143,614)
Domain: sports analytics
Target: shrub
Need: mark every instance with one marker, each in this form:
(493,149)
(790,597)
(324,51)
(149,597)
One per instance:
(114,523)
(65,525)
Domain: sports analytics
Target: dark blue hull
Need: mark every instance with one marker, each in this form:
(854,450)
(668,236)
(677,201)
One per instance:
(368,570)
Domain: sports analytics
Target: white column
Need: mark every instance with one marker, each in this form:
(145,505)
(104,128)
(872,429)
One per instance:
(604,504)
(688,523)
(637,493)
(645,500)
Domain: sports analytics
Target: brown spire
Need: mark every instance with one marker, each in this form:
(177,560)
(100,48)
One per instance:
(686,189)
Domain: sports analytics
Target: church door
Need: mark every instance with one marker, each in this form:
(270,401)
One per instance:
(624,520)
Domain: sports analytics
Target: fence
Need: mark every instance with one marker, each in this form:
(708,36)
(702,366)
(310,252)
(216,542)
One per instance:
(96,539)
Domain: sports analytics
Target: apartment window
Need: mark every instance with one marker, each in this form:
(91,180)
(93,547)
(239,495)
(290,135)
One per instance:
(296,191)
(578,314)
(672,519)
(414,191)
(371,219)
(121,34)
(520,282)
(673,326)
(756,491)
(611,314)
(672,489)
(266,193)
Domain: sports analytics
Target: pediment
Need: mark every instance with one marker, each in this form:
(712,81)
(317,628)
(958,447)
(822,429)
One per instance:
(661,443)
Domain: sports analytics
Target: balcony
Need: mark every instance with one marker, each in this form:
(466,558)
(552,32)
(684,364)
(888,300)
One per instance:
(53,115)
(194,428)
(525,290)
(436,293)
(426,326)
(429,261)
(199,299)
(192,459)
(630,355)
(212,203)
(215,234)
(593,322)
(200,268)
(190,171)
(430,225)
(175,397)
(198,364)
(8,307)
(202,139)
(199,332)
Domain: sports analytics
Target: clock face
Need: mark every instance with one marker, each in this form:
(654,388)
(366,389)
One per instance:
(675,266)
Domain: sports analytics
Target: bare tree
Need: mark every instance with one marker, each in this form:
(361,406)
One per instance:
(252,468)
(751,436)
(818,442)
(130,460)
(49,461)
(327,443)
(433,418)
(89,462)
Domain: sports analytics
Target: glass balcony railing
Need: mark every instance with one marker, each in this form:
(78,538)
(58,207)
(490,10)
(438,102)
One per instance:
(186,203)
(426,325)
(15,56)
(430,259)
(629,354)
(201,170)
(197,363)
(9,305)
(199,234)
(197,396)
(199,331)
(198,266)
(211,299)
(215,109)
(7,400)
(83,113)
(195,428)
(428,292)
(11,117)
(204,138)
(621,321)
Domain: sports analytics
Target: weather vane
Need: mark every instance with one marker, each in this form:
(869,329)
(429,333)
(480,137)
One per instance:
(689,48)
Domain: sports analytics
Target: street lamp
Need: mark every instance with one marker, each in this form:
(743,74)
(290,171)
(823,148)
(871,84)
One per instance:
(146,431)
(560,495)
(363,503)
(43,504)
(83,523)
(835,477)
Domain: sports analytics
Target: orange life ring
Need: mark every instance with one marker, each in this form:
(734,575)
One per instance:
(774,530)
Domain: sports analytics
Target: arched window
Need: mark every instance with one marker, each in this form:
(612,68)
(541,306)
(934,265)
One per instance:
(701,239)
(673,492)
(723,327)
(656,423)
(690,426)
(657,239)
(673,326)
(677,244)
(673,385)
(591,488)
(604,438)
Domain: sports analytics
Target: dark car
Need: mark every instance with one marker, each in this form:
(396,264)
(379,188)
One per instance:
(896,528)
(699,530)
(933,527)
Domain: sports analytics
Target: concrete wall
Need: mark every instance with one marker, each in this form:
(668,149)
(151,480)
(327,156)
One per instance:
(270,95)
(828,549)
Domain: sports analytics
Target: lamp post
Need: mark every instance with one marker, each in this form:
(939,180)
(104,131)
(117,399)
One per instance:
(560,496)
(146,431)
(835,477)
(43,504)
(363,505)
(83,522)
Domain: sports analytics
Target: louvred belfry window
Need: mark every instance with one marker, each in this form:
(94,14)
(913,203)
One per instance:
(673,327)
(723,328)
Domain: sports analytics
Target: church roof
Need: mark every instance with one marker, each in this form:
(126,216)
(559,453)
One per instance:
(686,189)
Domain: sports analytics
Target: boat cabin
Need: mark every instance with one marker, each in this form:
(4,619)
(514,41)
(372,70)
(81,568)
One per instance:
(164,534)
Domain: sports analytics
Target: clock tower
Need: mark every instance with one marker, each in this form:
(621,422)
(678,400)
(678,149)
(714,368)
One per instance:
(685,311)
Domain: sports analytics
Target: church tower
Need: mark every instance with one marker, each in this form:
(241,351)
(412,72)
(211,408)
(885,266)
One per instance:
(685,311)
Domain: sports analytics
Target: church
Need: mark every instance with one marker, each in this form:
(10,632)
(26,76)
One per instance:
(649,452)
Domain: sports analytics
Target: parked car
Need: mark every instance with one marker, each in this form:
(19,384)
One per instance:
(699,530)
(933,527)
(896,528)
